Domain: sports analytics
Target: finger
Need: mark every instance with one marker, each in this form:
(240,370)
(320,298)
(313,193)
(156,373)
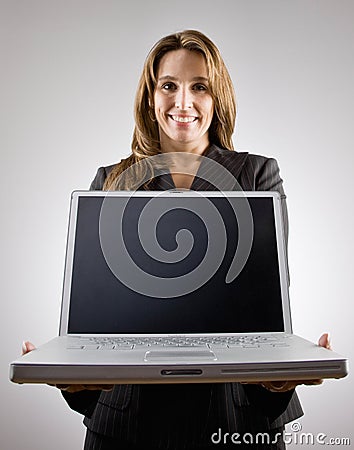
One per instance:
(101,387)
(107,387)
(72,388)
(306,383)
(27,347)
(62,387)
(279,386)
(324,341)
(312,382)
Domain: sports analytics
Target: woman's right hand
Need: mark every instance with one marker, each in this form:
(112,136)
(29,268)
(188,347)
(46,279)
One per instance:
(28,347)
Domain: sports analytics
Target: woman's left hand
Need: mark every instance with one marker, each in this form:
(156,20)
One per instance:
(284,386)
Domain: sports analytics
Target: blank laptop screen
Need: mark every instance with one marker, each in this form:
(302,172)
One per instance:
(101,301)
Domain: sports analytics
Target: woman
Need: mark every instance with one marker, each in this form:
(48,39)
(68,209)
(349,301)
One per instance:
(185,104)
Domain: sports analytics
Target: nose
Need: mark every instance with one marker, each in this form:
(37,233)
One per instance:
(184,98)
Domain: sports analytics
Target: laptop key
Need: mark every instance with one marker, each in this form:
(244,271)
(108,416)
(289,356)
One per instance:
(123,347)
(192,345)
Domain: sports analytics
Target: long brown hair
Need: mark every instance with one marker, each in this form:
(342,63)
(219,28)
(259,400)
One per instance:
(145,140)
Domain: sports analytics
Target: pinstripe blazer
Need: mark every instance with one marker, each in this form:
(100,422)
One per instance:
(186,415)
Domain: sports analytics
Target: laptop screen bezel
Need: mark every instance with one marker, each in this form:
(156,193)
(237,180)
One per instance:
(70,247)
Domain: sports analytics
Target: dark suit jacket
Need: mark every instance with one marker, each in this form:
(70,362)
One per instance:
(168,416)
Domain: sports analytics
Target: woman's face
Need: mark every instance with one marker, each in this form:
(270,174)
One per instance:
(183,103)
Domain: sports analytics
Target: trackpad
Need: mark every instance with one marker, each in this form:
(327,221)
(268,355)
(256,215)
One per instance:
(178,355)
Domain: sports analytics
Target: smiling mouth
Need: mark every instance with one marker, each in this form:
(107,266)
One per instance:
(184,119)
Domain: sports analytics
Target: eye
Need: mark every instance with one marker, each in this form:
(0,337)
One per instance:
(168,86)
(200,87)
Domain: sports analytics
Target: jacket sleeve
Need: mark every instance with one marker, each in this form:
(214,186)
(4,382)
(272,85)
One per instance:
(268,179)
(98,181)
(271,404)
(83,402)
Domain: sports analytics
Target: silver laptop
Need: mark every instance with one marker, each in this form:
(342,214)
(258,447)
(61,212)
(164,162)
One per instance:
(172,287)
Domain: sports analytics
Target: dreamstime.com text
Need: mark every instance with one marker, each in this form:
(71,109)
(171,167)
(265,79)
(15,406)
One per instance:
(295,437)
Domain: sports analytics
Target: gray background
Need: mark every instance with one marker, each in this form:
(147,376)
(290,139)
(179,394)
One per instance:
(69,71)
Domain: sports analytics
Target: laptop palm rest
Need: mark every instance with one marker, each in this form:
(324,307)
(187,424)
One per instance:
(178,354)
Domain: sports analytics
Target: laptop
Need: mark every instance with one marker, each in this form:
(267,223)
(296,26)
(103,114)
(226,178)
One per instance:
(176,287)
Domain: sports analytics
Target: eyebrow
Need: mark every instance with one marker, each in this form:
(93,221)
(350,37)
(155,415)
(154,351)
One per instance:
(169,77)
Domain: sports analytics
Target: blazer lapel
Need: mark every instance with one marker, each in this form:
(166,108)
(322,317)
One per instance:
(211,176)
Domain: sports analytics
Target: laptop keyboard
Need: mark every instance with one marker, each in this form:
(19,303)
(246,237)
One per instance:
(128,343)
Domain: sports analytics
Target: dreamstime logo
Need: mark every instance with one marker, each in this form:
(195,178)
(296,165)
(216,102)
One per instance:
(113,242)
(294,436)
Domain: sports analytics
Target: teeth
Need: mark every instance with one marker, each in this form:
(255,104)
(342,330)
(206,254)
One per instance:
(183,119)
